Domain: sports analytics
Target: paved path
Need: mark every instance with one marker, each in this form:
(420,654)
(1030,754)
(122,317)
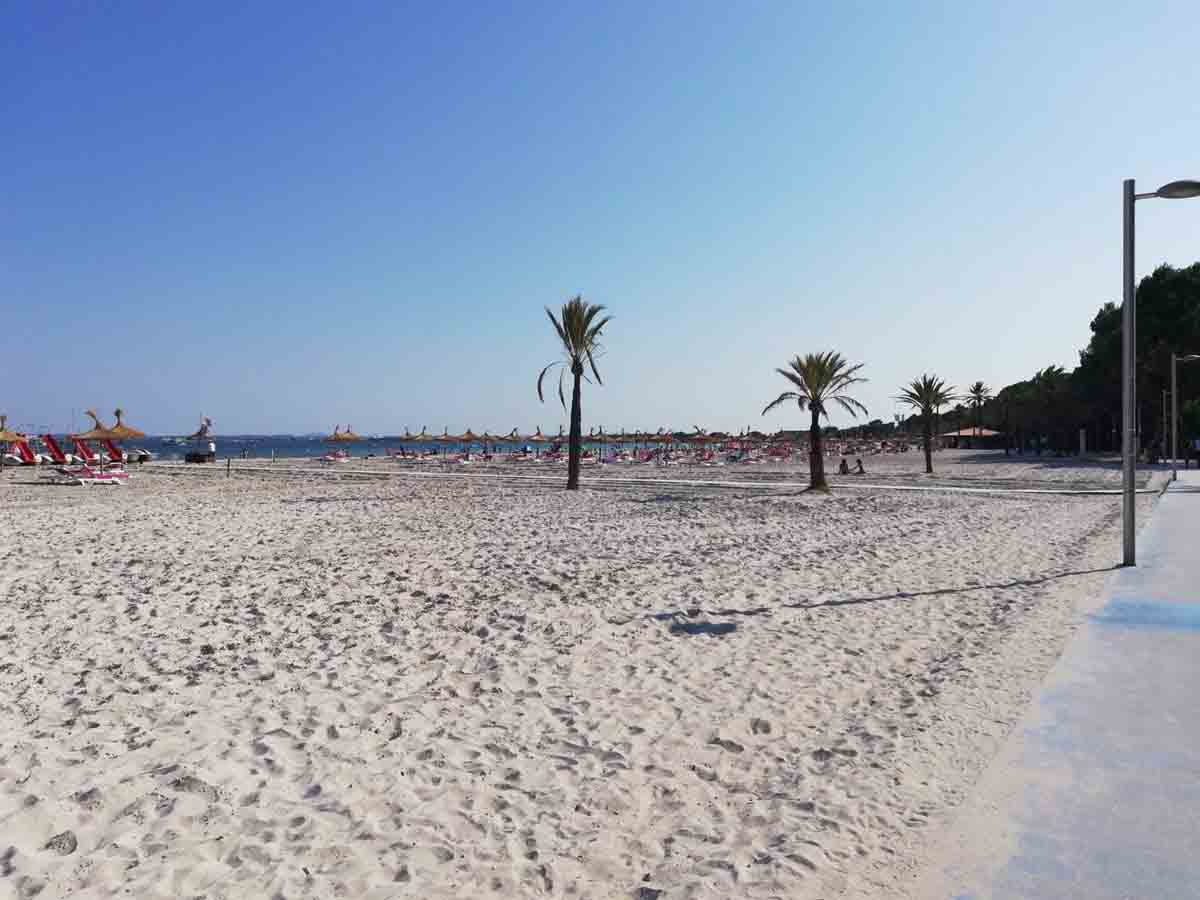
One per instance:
(1096,794)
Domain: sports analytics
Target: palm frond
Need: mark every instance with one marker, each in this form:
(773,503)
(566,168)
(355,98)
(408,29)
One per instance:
(794,378)
(784,398)
(592,363)
(821,378)
(561,331)
(850,405)
(540,377)
(927,393)
(578,326)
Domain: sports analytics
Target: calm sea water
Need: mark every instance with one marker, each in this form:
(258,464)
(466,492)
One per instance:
(257,446)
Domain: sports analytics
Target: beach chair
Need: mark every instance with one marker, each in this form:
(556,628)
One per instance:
(67,471)
(115,455)
(23,454)
(57,456)
(87,476)
(89,457)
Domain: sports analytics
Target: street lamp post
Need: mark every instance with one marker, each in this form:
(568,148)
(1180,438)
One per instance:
(1176,190)
(1176,359)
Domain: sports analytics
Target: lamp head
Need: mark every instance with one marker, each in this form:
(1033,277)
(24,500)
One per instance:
(1179,190)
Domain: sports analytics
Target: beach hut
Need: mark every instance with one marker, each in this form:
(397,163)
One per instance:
(966,438)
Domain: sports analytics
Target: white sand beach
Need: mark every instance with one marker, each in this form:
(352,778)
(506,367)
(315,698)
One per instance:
(263,686)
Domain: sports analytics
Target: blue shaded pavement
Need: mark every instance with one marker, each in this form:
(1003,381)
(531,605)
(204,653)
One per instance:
(1096,794)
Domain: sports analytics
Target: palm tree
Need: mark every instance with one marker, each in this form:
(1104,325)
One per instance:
(979,394)
(1047,386)
(578,327)
(820,379)
(927,395)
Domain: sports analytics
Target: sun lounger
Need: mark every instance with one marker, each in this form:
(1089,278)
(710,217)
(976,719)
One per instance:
(22,455)
(89,457)
(87,476)
(56,452)
(115,455)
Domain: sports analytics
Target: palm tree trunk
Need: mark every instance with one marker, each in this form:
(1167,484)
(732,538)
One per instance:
(928,429)
(816,456)
(575,446)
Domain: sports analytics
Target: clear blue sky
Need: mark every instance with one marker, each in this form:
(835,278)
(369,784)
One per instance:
(286,215)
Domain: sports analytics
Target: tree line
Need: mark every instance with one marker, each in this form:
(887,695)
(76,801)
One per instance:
(1043,413)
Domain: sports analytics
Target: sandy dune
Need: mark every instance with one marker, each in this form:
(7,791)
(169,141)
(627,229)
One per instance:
(258,687)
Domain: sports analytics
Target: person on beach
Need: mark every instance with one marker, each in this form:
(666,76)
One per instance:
(844,467)
(859,470)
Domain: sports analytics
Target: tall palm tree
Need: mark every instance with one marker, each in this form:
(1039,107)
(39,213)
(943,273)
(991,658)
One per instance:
(578,326)
(1048,384)
(820,379)
(979,394)
(927,395)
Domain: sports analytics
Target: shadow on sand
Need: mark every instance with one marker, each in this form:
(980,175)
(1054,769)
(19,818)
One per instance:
(680,626)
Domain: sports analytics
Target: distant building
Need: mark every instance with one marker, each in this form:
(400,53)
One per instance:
(969,438)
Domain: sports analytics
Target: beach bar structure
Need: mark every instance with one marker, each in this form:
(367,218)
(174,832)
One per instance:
(972,438)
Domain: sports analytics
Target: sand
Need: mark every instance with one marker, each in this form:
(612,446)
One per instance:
(269,687)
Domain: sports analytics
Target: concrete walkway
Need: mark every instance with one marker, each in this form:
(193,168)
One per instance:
(1096,794)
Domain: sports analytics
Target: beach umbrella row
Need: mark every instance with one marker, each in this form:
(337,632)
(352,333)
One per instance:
(662,437)
(100,432)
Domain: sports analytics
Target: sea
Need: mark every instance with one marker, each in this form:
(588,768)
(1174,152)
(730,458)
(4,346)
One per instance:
(287,446)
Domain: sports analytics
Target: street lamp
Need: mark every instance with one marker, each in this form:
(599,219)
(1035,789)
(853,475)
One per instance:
(1176,190)
(1176,359)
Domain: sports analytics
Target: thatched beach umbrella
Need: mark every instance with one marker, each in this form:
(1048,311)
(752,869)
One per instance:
(343,437)
(6,436)
(98,431)
(121,431)
(537,437)
(204,431)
